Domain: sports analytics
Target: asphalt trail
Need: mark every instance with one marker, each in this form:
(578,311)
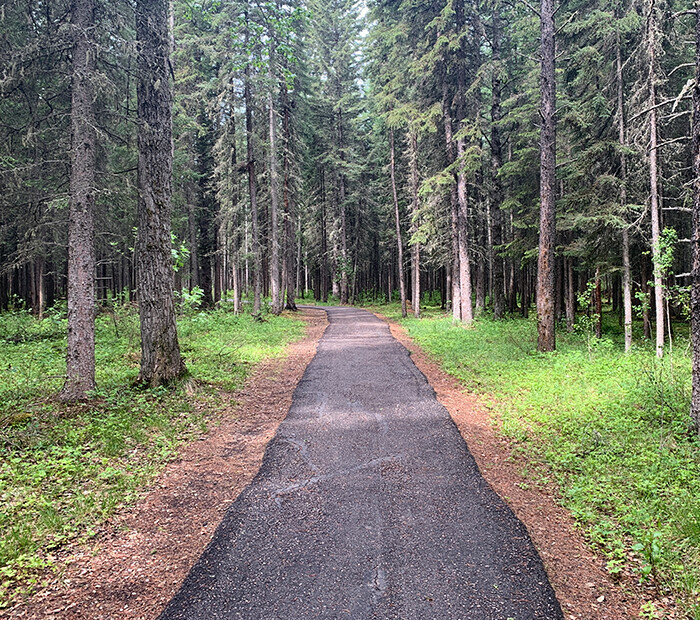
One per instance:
(368,505)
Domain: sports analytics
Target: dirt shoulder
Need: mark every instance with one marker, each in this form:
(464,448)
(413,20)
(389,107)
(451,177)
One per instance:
(581,583)
(139,559)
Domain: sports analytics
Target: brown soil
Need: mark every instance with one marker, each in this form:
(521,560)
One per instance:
(143,554)
(582,585)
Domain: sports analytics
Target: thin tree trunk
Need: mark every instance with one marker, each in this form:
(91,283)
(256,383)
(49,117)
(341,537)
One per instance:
(465,279)
(343,215)
(454,204)
(496,163)
(654,187)
(598,305)
(80,358)
(397,217)
(324,241)
(546,340)
(570,296)
(160,351)
(415,253)
(192,229)
(274,193)
(252,181)
(291,271)
(626,268)
(695,290)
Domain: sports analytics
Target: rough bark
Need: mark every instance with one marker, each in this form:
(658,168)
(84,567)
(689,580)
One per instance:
(397,217)
(160,352)
(80,358)
(695,290)
(546,340)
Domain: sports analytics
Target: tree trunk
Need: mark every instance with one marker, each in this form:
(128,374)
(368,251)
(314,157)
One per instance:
(192,230)
(397,217)
(496,163)
(646,315)
(598,306)
(291,271)
(695,290)
(274,193)
(465,279)
(654,188)
(324,241)
(454,204)
(546,340)
(160,350)
(345,263)
(570,296)
(626,268)
(252,181)
(80,358)
(415,208)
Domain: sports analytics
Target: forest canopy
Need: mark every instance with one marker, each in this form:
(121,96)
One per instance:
(494,154)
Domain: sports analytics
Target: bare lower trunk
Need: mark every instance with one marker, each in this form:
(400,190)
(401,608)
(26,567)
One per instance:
(546,340)
(654,190)
(291,271)
(80,358)
(252,183)
(454,205)
(598,305)
(274,197)
(626,269)
(415,254)
(496,163)
(570,297)
(695,290)
(397,217)
(456,286)
(160,350)
(192,231)
(345,267)
(646,314)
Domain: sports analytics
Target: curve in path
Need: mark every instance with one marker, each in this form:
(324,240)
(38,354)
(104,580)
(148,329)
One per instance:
(368,505)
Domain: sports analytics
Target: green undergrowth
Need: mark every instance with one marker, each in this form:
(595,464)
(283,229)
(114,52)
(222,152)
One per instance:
(65,469)
(611,429)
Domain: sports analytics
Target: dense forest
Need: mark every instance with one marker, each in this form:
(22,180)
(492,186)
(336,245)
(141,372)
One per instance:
(495,155)
(505,178)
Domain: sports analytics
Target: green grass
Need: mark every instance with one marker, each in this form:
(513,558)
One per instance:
(65,469)
(612,430)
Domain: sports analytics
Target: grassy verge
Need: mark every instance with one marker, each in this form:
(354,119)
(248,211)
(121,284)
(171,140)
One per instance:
(65,469)
(611,428)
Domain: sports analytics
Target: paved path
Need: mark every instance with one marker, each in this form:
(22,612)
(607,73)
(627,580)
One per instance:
(368,505)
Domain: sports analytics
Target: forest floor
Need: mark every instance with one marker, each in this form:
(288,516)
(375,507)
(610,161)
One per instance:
(138,560)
